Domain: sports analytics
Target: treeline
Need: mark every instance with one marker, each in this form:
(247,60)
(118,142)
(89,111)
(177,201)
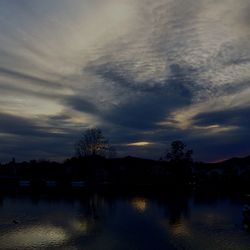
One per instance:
(129,171)
(98,169)
(95,164)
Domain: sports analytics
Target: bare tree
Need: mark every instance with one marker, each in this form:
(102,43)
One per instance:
(93,143)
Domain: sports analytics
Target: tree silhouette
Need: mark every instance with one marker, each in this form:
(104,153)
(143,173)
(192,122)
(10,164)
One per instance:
(93,143)
(180,158)
(178,153)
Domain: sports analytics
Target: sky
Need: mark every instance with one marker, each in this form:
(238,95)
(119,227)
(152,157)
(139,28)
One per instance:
(146,72)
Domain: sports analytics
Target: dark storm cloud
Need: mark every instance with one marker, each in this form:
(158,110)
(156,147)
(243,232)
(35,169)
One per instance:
(12,124)
(237,116)
(149,108)
(151,102)
(20,126)
(231,143)
(23,138)
(81,104)
(220,147)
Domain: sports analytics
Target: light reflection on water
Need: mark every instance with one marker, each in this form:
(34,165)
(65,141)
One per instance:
(35,236)
(130,222)
(140,204)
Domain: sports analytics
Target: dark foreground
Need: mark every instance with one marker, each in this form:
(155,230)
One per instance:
(129,221)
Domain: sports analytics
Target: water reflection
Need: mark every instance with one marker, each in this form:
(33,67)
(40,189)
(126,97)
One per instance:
(140,204)
(180,230)
(82,227)
(35,236)
(114,222)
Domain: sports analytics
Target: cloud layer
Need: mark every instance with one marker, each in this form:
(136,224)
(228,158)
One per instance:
(143,71)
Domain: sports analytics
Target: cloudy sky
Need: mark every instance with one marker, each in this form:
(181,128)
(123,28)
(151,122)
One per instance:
(146,72)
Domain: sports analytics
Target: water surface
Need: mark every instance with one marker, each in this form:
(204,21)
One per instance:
(109,222)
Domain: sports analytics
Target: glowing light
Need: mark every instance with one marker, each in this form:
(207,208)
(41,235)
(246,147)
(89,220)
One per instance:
(36,236)
(140,144)
(140,204)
